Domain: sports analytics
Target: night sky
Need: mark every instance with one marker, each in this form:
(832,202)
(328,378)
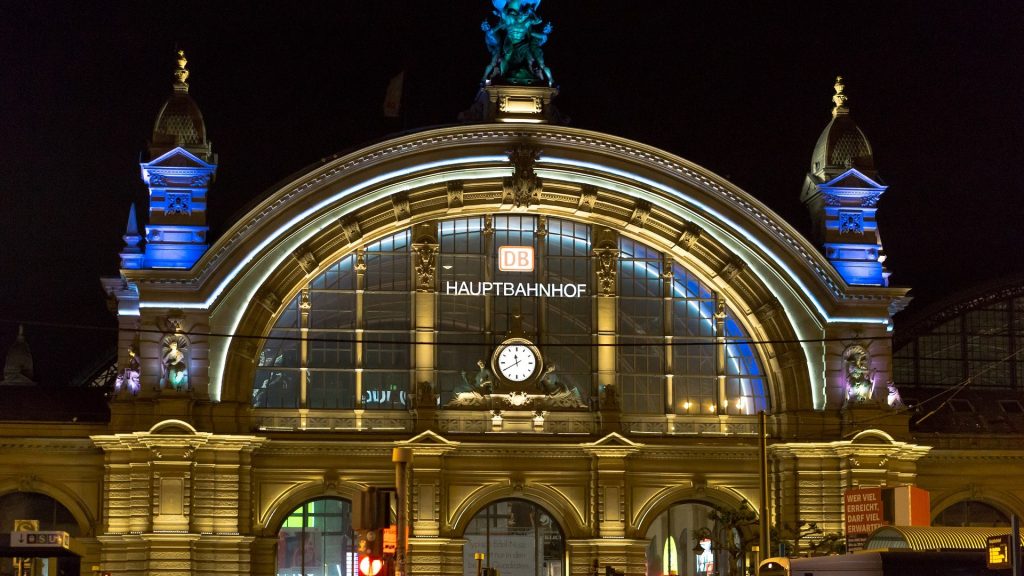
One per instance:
(742,88)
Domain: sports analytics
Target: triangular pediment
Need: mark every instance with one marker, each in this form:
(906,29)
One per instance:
(177,158)
(429,438)
(853,178)
(614,440)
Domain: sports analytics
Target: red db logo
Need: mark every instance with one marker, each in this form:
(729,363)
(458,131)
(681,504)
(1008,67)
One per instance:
(515,258)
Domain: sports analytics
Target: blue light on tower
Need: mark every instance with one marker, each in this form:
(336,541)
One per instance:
(841,191)
(182,165)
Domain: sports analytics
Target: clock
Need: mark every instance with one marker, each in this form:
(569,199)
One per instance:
(516,360)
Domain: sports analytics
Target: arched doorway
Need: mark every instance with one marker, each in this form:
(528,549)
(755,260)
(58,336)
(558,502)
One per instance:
(696,540)
(971,513)
(316,540)
(518,538)
(51,514)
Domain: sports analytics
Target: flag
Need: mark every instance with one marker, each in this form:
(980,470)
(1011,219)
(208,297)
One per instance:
(393,97)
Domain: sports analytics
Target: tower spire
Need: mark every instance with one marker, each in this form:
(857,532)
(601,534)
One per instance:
(181,167)
(18,366)
(841,191)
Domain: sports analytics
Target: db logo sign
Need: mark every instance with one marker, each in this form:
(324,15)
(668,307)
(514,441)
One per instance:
(515,258)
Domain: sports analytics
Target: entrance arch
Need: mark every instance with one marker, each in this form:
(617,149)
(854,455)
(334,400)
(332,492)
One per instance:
(518,538)
(697,538)
(50,512)
(316,539)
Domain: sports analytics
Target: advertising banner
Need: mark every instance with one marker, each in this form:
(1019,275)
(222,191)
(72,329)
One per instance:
(865,511)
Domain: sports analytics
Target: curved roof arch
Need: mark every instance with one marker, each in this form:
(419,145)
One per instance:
(644,192)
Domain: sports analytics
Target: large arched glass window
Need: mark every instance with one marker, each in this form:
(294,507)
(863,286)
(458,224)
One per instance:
(346,340)
(516,537)
(671,330)
(316,540)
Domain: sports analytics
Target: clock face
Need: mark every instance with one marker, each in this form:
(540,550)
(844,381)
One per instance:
(517,362)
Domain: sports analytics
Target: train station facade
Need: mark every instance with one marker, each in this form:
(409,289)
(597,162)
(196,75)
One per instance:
(567,336)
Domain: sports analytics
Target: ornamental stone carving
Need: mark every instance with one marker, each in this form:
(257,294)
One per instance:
(641,212)
(360,265)
(351,229)
(306,260)
(588,198)
(178,203)
(731,269)
(607,260)
(525,185)
(456,193)
(426,266)
(689,236)
(270,301)
(851,222)
(768,310)
(400,206)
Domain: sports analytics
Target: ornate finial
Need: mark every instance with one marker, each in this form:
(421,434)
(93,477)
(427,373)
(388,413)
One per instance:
(839,99)
(181,74)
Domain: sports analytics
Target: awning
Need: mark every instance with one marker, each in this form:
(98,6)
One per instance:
(932,537)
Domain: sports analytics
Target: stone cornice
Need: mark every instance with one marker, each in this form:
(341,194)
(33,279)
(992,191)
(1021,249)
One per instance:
(199,440)
(845,448)
(499,450)
(48,445)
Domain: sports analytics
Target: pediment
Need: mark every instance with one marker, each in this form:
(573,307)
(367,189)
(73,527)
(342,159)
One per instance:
(429,438)
(177,158)
(853,178)
(614,440)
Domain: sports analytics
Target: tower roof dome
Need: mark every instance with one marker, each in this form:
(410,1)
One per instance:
(18,367)
(842,144)
(180,122)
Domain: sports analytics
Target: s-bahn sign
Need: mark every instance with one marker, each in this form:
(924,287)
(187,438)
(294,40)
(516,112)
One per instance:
(40,539)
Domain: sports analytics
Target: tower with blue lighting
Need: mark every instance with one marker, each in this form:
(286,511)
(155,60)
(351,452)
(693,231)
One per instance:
(842,191)
(181,167)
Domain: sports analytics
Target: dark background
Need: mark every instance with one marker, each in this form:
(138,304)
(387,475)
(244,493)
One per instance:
(741,87)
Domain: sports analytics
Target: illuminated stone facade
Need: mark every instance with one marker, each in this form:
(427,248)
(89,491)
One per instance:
(240,421)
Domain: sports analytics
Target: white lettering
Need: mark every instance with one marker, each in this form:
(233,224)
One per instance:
(533,289)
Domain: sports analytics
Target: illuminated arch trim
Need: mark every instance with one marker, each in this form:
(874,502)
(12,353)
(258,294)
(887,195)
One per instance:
(745,293)
(240,263)
(554,503)
(715,497)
